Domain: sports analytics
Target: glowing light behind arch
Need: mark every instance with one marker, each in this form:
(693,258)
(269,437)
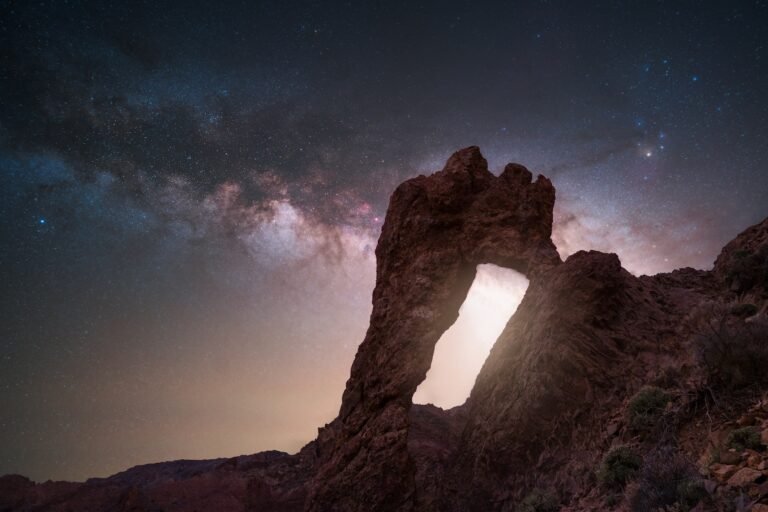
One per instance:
(461,351)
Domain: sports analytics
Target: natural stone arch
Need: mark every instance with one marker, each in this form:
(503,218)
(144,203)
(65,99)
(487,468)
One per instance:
(463,348)
(437,230)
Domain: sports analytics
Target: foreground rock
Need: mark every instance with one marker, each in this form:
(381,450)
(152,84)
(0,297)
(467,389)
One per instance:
(437,230)
(670,368)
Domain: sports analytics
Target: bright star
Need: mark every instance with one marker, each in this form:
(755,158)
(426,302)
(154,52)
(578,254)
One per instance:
(42,221)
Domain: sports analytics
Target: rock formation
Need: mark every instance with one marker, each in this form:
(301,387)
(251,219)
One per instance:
(437,230)
(743,263)
(570,378)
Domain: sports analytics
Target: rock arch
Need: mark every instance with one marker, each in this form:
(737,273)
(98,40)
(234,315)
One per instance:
(437,230)
(464,347)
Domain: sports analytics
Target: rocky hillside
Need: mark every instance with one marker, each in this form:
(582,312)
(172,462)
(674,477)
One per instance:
(605,391)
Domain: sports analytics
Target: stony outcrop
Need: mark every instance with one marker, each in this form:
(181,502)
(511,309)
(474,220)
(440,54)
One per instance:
(555,394)
(571,350)
(743,263)
(437,230)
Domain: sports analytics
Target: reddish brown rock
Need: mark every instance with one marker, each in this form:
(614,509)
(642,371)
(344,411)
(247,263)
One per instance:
(18,493)
(582,339)
(723,471)
(437,230)
(730,457)
(272,481)
(744,477)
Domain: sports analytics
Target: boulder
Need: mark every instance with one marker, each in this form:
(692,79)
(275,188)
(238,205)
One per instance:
(744,477)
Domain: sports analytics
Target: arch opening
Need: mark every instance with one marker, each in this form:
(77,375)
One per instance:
(494,296)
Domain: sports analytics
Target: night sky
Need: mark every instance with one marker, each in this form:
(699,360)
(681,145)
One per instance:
(190,195)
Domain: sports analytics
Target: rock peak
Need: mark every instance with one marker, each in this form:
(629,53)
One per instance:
(469,159)
(517,173)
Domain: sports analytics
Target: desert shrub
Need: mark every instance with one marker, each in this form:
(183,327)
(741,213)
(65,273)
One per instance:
(539,500)
(646,407)
(744,310)
(690,492)
(668,377)
(734,352)
(618,467)
(743,438)
(667,481)
(612,499)
(748,270)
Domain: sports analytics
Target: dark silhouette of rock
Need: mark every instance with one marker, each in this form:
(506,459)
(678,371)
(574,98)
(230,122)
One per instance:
(548,404)
(272,481)
(743,263)
(437,230)
(569,353)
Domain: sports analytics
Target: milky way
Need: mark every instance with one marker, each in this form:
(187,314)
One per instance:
(192,192)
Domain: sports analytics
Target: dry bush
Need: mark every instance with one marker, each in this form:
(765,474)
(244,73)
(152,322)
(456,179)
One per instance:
(667,480)
(744,310)
(748,270)
(733,350)
(619,465)
(539,500)
(743,438)
(646,407)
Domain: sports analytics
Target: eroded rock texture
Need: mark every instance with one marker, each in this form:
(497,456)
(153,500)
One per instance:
(551,397)
(438,229)
(572,351)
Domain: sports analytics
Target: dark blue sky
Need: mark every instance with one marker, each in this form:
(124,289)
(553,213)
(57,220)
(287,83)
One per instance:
(190,192)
